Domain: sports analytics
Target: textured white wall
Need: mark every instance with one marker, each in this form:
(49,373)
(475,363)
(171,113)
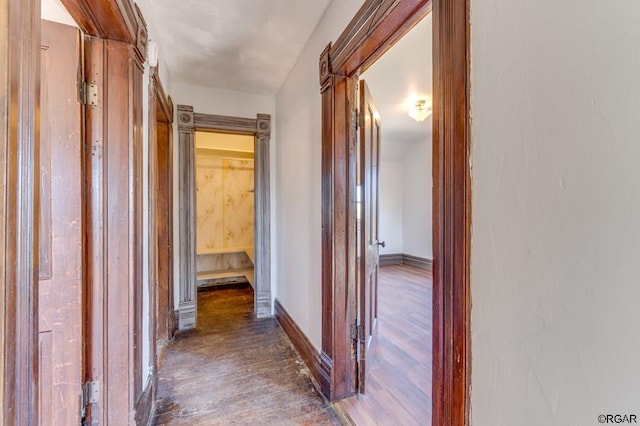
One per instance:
(556,195)
(417,207)
(298,176)
(391,207)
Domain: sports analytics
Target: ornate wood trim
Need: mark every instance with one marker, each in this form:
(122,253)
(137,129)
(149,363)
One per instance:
(451,213)
(187,221)
(188,123)
(118,20)
(262,235)
(221,123)
(376,26)
(19,189)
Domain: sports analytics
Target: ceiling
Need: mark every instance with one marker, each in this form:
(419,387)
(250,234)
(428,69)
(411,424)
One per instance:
(400,77)
(251,46)
(244,45)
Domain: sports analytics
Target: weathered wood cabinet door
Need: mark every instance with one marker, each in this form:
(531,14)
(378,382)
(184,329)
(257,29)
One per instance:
(368,235)
(60,234)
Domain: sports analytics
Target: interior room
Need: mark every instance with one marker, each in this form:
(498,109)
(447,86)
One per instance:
(400,84)
(225,209)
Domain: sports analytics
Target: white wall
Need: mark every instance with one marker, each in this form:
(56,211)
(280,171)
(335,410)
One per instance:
(53,10)
(556,195)
(391,205)
(231,103)
(417,207)
(298,177)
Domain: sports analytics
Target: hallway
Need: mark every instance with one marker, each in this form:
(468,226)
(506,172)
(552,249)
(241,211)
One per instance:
(235,369)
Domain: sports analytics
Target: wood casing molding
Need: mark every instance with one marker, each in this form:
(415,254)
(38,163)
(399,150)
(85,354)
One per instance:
(451,213)
(165,115)
(374,29)
(113,162)
(187,220)
(118,20)
(260,127)
(161,239)
(300,341)
(19,189)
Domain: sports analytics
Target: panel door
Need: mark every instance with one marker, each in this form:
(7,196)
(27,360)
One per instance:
(60,285)
(369,134)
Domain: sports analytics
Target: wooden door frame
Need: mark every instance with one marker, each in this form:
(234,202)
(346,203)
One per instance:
(374,29)
(190,122)
(115,51)
(160,112)
(19,193)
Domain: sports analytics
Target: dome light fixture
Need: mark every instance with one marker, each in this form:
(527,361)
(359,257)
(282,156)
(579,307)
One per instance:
(420,110)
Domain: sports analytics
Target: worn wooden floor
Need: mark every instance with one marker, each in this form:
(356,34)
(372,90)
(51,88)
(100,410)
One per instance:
(236,370)
(399,386)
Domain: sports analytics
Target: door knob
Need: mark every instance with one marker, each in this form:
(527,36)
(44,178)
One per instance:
(381,243)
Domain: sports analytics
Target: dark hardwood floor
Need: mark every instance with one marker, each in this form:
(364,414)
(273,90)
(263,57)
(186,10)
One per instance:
(235,369)
(399,386)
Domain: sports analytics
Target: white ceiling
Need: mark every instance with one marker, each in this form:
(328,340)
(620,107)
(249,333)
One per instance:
(244,45)
(401,76)
(251,46)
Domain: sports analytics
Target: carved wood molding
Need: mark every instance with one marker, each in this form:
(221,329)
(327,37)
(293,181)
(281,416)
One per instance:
(223,123)
(185,119)
(118,20)
(19,191)
(325,65)
(373,26)
(451,213)
(260,127)
(263,125)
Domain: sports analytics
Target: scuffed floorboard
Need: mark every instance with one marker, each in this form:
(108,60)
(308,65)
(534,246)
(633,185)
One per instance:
(236,370)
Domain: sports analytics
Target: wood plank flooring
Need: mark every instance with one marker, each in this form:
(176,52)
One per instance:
(399,386)
(236,370)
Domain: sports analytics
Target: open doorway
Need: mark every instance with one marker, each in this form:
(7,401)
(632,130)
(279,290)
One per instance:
(376,27)
(393,221)
(225,210)
(258,132)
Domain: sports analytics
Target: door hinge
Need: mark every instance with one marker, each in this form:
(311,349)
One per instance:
(90,395)
(88,93)
(357,332)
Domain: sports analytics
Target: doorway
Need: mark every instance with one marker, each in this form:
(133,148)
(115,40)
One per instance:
(376,27)
(225,209)
(393,201)
(258,130)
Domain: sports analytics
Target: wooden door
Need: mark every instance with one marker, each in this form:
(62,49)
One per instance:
(164,223)
(60,289)
(367,291)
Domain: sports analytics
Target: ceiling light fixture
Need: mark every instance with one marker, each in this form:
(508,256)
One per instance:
(420,110)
